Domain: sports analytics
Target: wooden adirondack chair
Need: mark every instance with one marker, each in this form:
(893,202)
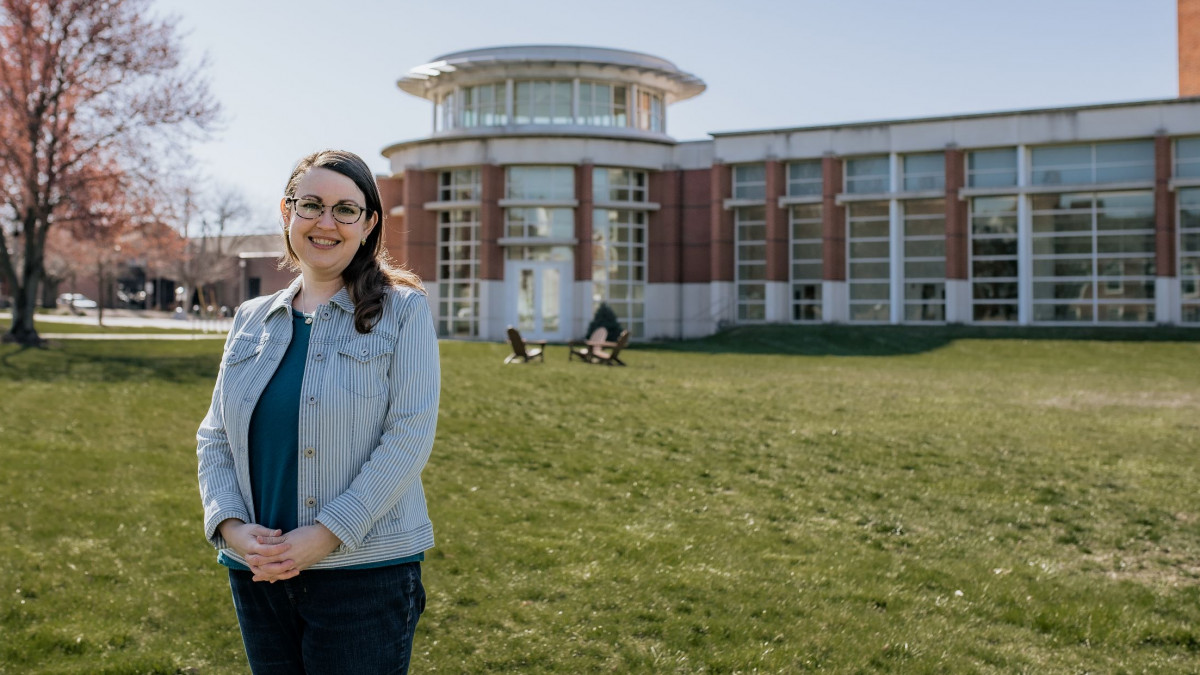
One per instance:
(609,356)
(524,350)
(582,349)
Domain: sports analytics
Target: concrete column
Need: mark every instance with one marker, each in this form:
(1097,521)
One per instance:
(895,242)
(1024,243)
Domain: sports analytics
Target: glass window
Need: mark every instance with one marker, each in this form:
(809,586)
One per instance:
(807,251)
(993,259)
(650,111)
(868,268)
(618,185)
(540,182)
(1093,256)
(925,171)
(458,264)
(749,181)
(1189,254)
(483,105)
(868,175)
(602,104)
(750,278)
(1187,158)
(458,185)
(445,112)
(619,265)
(1124,161)
(992,168)
(539,222)
(543,102)
(924,260)
(805,179)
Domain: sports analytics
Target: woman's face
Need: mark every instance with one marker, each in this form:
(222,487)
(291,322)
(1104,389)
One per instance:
(323,245)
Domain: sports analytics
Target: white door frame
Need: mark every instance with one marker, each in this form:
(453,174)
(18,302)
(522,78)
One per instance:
(534,329)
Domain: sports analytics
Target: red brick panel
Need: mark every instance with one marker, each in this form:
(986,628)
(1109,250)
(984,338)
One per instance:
(696,217)
(395,240)
(957,229)
(420,225)
(833,219)
(1164,209)
(1189,47)
(391,191)
(778,240)
(721,225)
(664,228)
(583,222)
(491,222)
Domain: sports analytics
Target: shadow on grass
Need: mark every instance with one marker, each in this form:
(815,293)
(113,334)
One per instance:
(116,361)
(843,340)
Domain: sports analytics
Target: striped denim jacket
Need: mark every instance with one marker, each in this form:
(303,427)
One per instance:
(368,412)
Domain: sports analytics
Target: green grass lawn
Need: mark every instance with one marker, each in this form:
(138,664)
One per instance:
(775,500)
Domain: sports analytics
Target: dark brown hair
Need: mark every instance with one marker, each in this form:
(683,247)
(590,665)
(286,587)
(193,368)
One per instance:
(371,270)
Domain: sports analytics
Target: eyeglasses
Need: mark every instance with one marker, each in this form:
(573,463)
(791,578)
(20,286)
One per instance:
(343,212)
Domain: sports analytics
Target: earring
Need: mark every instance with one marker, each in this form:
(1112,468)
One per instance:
(364,241)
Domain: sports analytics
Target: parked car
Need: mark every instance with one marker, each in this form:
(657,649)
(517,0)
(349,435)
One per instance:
(76,300)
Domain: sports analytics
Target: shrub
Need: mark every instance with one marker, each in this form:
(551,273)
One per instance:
(605,318)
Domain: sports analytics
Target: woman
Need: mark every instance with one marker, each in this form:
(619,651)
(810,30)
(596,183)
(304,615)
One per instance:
(310,457)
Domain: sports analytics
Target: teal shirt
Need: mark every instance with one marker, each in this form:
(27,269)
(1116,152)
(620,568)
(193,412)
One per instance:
(275,441)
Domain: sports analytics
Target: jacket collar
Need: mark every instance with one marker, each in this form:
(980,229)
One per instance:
(283,300)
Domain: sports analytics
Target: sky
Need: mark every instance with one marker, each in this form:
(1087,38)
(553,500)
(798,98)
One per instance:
(767,63)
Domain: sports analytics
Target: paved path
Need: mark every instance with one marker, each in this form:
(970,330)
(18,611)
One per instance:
(132,336)
(127,319)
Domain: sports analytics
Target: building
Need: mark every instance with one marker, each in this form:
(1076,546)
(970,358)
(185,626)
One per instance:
(549,184)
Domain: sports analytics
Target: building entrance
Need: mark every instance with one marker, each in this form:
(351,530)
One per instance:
(539,298)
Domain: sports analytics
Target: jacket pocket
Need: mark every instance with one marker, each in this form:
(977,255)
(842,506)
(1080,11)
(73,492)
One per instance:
(364,364)
(243,347)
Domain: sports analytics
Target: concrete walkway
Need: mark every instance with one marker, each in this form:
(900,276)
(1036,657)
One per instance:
(132,336)
(118,318)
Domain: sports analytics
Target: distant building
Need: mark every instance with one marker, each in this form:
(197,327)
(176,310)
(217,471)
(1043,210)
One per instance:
(550,184)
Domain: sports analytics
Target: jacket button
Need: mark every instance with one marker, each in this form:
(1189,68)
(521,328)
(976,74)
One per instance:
(318,356)
(324,315)
(312,400)
(310,502)
(309,452)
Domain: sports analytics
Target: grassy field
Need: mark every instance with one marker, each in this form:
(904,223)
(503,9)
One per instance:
(772,500)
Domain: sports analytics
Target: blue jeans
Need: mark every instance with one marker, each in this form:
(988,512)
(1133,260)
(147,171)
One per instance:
(348,622)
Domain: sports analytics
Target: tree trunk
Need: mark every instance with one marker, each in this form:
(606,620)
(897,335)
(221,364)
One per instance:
(22,330)
(100,300)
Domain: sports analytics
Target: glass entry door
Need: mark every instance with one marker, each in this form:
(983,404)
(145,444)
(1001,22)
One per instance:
(539,297)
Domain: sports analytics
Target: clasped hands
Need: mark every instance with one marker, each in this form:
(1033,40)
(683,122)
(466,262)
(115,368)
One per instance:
(274,555)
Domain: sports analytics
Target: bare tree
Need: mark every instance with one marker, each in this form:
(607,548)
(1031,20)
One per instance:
(218,231)
(83,84)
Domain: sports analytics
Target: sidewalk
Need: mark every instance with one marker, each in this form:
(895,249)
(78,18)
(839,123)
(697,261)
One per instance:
(132,336)
(124,318)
